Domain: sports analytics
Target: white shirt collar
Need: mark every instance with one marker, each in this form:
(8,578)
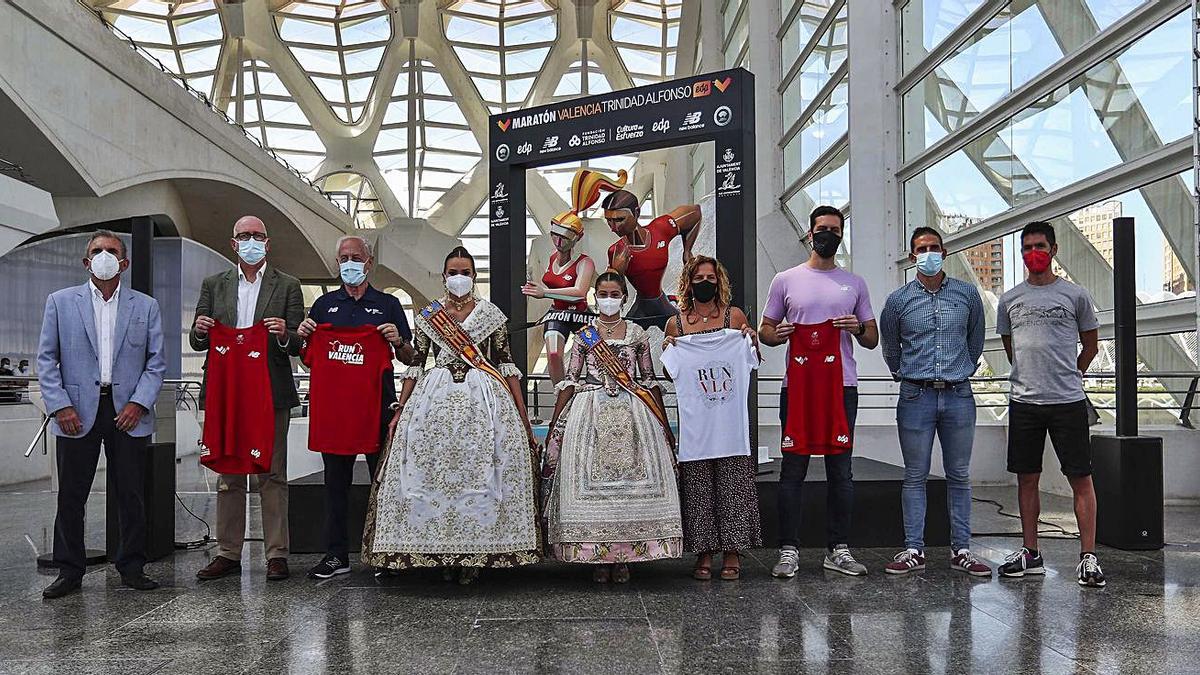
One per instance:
(257,278)
(99,294)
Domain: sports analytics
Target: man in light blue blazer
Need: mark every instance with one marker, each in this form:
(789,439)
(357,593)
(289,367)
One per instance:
(100,366)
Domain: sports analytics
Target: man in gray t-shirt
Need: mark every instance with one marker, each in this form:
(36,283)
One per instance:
(1041,322)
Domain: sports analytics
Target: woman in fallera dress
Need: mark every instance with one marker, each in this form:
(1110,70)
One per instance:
(455,488)
(613,498)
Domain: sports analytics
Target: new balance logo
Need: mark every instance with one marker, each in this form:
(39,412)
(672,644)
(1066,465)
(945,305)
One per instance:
(332,310)
(221,349)
(843,439)
(830,359)
(802,360)
(692,118)
(661,244)
(255,453)
(254,355)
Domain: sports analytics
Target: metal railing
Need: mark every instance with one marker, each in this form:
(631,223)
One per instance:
(208,103)
(990,393)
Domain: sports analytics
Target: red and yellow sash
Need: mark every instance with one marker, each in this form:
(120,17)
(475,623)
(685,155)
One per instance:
(456,338)
(612,365)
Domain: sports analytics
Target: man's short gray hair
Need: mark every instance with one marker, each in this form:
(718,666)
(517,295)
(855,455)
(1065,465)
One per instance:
(103,234)
(365,244)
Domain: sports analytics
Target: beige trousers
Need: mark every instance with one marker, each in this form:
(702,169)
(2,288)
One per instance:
(273,493)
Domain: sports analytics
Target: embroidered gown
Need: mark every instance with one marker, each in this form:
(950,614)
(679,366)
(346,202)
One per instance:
(456,486)
(613,498)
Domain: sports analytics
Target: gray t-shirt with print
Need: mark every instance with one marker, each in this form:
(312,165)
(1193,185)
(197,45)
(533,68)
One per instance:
(1045,323)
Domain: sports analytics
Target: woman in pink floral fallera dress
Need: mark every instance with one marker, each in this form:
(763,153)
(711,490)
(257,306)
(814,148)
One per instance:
(612,495)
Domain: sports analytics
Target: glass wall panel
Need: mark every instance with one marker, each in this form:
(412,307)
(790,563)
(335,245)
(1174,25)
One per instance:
(1022,40)
(1116,111)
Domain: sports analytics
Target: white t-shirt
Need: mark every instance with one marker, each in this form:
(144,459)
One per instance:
(712,382)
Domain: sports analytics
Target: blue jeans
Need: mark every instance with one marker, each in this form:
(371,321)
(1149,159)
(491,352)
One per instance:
(921,412)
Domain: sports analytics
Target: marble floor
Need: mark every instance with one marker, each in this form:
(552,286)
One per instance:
(552,618)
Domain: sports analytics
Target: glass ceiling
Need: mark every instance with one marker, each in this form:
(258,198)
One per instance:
(339,44)
(319,55)
(186,37)
(503,45)
(646,33)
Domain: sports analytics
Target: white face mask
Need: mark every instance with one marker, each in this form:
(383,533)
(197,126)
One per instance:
(459,285)
(609,306)
(105,266)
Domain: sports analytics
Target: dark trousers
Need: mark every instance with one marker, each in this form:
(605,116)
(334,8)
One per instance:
(76,459)
(339,476)
(839,495)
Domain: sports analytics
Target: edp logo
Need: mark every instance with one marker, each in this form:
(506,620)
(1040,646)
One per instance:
(662,126)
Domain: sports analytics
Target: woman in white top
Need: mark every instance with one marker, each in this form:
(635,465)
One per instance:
(719,497)
(613,498)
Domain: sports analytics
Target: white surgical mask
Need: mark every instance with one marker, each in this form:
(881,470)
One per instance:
(929,263)
(105,266)
(352,273)
(252,251)
(459,285)
(609,306)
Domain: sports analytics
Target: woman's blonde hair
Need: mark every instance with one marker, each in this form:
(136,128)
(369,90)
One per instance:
(724,288)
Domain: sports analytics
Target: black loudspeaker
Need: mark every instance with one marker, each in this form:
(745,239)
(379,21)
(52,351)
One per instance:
(1128,475)
(159,493)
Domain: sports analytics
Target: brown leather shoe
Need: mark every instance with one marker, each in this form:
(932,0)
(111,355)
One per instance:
(277,569)
(220,566)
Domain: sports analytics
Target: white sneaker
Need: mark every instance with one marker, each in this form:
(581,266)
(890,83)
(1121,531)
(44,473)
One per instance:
(789,562)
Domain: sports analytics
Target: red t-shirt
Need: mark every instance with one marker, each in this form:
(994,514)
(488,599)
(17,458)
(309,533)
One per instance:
(239,411)
(564,279)
(816,412)
(648,263)
(345,386)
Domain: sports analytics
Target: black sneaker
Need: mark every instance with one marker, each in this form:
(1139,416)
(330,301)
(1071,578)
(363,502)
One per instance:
(1089,571)
(1021,563)
(330,566)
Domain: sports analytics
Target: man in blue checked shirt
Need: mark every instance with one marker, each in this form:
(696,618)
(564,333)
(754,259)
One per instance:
(932,333)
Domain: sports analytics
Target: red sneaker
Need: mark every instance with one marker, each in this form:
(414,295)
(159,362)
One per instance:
(908,560)
(965,561)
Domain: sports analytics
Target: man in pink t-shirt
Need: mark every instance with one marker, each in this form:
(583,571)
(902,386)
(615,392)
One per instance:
(815,292)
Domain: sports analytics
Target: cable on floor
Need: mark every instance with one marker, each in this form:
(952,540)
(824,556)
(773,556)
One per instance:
(198,544)
(1057,531)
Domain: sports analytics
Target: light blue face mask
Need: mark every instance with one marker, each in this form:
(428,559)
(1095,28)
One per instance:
(353,273)
(252,251)
(929,263)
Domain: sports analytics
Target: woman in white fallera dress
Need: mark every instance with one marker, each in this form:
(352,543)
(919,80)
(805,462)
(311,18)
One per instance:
(613,499)
(455,488)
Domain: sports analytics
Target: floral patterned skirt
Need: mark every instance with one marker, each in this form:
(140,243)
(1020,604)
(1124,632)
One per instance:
(624,552)
(456,487)
(613,496)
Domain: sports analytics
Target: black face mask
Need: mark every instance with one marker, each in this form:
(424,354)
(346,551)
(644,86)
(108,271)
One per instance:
(704,291)
(826,243)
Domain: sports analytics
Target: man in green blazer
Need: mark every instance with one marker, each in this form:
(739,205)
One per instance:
(249,294)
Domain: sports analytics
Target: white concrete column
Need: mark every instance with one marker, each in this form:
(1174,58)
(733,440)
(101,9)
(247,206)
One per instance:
(876,227)
(765,63)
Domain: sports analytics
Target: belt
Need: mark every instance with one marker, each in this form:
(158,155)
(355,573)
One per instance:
(933,384)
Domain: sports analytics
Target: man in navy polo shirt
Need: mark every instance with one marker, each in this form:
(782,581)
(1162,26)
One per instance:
(356,303)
